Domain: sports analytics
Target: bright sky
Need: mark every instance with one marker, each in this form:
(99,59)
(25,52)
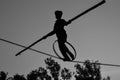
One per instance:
(95,35)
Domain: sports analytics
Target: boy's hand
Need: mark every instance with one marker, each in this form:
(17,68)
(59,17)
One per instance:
(69,22)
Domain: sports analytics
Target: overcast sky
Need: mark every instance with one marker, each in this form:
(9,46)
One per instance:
(95,35)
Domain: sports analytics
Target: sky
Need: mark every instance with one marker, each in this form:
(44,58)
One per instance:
(95,35)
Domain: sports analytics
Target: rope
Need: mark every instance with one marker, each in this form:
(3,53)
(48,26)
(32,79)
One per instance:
(29,48)
(55,56)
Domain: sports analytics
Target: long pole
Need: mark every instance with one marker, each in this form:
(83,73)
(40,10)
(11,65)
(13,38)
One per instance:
(86,11)
(31,45)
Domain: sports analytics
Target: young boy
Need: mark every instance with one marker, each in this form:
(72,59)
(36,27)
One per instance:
(61,35)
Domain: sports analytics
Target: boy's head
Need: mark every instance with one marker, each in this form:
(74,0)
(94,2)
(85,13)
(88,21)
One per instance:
(58,14)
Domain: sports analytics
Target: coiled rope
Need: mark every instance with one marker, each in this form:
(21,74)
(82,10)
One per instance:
(66,43)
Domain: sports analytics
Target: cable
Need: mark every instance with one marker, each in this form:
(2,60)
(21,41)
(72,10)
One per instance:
(55,56)
(29,48)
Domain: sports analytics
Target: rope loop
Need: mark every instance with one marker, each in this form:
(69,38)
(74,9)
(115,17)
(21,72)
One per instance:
(75,54)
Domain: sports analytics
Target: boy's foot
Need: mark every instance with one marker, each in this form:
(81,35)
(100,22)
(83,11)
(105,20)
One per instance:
(72,57)
(65,59)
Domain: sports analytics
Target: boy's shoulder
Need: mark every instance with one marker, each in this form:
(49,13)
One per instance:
(62,20)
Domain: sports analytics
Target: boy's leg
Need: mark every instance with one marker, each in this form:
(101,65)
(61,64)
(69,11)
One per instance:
(63,51)
(69,53)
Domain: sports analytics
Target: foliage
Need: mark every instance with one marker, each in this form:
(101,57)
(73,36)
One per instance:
(54,67)
(66,74)
(3,75)
(88,71)
(19,77)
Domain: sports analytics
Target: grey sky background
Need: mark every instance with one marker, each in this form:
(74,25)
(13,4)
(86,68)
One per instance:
(95,35)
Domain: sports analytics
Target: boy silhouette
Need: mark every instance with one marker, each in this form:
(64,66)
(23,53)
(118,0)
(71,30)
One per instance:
(61,35)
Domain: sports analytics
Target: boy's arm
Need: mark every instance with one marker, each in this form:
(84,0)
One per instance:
(49,34)
(67,22)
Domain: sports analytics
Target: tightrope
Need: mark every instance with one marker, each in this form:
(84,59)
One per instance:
(29,48)
(55,56)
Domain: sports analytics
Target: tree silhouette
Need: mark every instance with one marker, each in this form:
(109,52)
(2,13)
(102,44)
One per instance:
(66,74)
(32,75)
(42,74)
(90,70)
(54,68)
(19,77)
(3,75)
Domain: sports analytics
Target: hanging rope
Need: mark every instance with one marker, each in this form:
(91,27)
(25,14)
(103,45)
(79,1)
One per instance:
(55,56)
